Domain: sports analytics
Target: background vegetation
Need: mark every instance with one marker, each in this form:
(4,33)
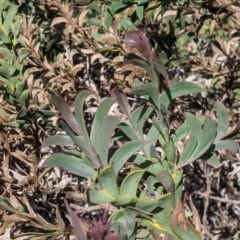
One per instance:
(55,47)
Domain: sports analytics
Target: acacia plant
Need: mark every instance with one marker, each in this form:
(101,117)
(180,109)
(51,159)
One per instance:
(147,197)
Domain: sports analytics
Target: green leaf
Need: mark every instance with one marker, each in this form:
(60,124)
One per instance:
(57,140)
(170,152)
(110,12)
(108,181)
(138,61)
(223,120)
(147,204)
(165,178)
(212,159)
(123,153)
(148,89)
(24,96)
(131,182)
(160,68)
(208,135)
(188,149)
(140,115)
(127,130)
(151,140)
(98,197)
(102,145)
(69,163)
(8,18)
(78,110)
(19,88)
(66,113)
(124,104)
(89,151)
(176,90)
(126,199)
(140,9)
(194,125)
(227,144)
(99,119)
(130,221)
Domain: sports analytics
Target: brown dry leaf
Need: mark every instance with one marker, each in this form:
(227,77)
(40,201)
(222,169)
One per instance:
(82,17)
(14,201)
(108,39)
(60,222)
(196,217)
(58,20)
(212,26)
(77,68)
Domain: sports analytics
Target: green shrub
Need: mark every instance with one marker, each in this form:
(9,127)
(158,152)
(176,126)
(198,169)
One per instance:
(157,208)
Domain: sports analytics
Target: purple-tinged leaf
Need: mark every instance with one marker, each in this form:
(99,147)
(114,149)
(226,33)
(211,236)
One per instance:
(77,226)
(139,40)
(66,113)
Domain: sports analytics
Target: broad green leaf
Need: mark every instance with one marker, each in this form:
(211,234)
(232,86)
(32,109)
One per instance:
(128,130)
(99,119)
(138,61)
(163,215)
(151,140)
(140,115)
(140,9)
(104,138)
(147,204)
(162,129)
(148,89)
(176,90)
(124,104)
(194,125)
(24,96)
(165,178)
(181,225)
(151,181)
(170,152)
(19,87)
(8,18)
(160,68)
(108,181)
(180,133)
(69,163)
(130,221)
(126,199)
(66,113)
(223,120)
(130,183)
(110,12)
(78,110)
(188,149)
(154,165)
(98,197)
(208,135)
(57,140)
(89,151)
(227,144)
(123,153)
(212,159)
